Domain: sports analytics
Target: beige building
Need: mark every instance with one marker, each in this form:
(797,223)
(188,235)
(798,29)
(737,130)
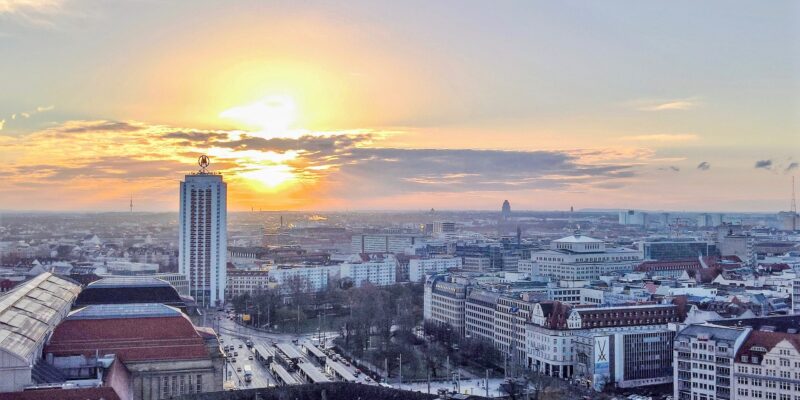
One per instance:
(242,281)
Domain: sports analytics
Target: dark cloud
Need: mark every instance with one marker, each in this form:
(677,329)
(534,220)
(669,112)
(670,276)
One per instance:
(428,170)
(792,166)
(764,164)
(104,168)
(308,144)
(97,126)
(197,137)
(704,166)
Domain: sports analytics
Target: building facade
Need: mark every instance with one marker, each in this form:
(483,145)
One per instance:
(580,257)
(241,281)
(419,267)
(703,361)
(203,235)
(379,271)
(479,309)
(624,359)
(444,302)
(384,243)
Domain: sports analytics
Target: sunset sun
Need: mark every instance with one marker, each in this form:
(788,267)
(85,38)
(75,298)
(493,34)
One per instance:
(272,116)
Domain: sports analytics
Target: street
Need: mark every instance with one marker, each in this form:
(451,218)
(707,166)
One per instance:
(232,334)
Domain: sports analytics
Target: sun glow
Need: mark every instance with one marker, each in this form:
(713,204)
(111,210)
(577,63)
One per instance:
(269,177)
(273,116)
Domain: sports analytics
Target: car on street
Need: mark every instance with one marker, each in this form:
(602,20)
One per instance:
(238,369)
(249,357)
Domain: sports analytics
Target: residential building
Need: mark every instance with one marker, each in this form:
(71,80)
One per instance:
(377,270)
(241,281)
(703,361)
(384,243)
(767,364)
(301,278)
(202,235)
(419,267)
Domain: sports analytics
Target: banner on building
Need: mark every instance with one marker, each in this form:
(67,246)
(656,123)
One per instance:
(602,355)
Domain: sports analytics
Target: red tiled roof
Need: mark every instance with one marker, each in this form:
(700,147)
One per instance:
(99,393)
(767,340)
(131,339)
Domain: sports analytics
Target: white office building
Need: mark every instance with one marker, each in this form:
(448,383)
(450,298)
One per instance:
(579,257)
(305,279)
(384,243)
(203,235)
(419,267)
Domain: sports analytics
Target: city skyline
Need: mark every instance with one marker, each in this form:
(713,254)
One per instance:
(384,106)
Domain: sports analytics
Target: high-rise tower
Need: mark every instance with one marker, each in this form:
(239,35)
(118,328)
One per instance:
(203,234)
(505,211)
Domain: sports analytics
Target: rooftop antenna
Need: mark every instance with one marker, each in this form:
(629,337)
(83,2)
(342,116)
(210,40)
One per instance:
(793,206)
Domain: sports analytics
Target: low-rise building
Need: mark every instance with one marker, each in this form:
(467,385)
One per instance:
(241,281)
(419,267)
(301,278)
(378,270)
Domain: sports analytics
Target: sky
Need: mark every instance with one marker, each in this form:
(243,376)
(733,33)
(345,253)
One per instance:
(377,105)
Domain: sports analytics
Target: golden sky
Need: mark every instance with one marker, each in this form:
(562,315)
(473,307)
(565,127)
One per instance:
(386,105)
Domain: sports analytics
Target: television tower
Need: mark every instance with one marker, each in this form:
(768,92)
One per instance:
(131,205)
(793,208)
